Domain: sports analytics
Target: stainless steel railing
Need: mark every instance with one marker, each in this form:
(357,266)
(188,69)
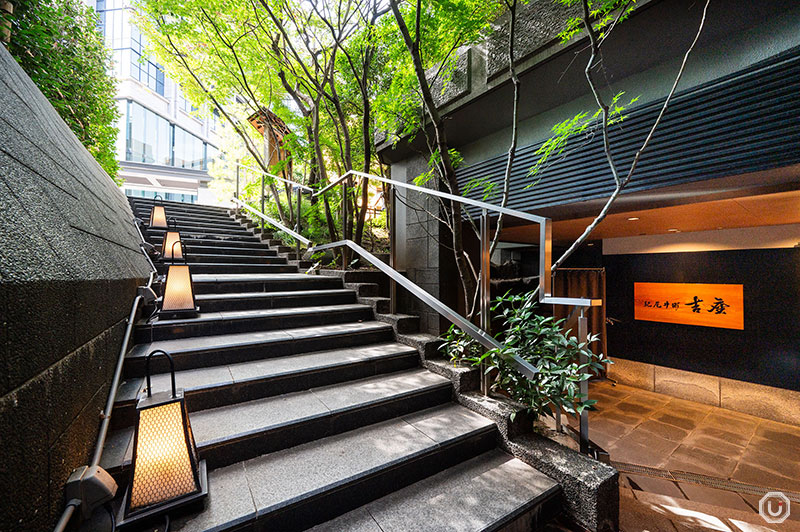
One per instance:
(486,340)
(482,334)
(545,290)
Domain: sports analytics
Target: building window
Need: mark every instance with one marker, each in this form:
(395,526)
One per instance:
(148,136)
(168,196)
(142,69)
(184,104)
(188,150)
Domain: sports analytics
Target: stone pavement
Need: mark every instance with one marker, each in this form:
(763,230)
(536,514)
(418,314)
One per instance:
(650,429)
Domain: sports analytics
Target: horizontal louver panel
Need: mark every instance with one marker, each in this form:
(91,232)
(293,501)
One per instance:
(745,122)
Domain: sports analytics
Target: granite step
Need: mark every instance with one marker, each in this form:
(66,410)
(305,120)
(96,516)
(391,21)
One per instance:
(245,430)
(261,300)
(199,228)
(242,321)
(180,206)
(299,487)
(217,245)
(190,219)
(156,235)
(493,491)
(214,258)
(205,351)
(188,224)
(144,214)
(264,282)
(232,267)
(234,383)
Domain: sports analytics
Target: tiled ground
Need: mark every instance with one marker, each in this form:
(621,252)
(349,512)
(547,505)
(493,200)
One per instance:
(650,429)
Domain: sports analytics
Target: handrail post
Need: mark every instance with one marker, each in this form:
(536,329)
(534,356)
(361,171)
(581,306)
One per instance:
(344,225)
(297,225)
(237,185)
(391,220)
(485,291)
(583,336)
(262,203)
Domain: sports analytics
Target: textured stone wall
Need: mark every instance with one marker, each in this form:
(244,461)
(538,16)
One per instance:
(421,255)
(538,24)
(69,267)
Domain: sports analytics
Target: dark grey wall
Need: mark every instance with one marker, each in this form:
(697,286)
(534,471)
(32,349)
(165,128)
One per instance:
(766,352)
(425,262)
(69,267)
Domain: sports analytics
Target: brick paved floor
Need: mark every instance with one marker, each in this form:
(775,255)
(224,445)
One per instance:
(645,428)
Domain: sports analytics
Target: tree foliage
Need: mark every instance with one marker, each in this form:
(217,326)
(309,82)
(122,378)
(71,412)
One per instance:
(57,44)
(312,64)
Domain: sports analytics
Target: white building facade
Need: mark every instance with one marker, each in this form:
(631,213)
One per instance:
(163,146)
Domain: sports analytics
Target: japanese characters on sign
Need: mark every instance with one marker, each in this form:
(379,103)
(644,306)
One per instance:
(704,305)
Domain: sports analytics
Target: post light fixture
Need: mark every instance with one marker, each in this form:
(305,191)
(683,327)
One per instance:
(178,300)
(168,249)
(158,217)
(165,472)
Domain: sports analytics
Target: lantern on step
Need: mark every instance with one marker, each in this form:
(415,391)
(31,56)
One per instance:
(169,250)
(165,472)
(158,217)
(178,300)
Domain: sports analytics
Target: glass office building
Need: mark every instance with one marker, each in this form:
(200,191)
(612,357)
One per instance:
(164,145)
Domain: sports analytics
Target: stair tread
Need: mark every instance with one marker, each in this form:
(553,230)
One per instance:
(454,500)
(221,423)
(215,426)
(181,345)
(258,313)
(239,277)
(199,378)
(276,480)
(281,293)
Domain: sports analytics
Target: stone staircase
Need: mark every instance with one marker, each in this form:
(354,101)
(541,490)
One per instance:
(309,411)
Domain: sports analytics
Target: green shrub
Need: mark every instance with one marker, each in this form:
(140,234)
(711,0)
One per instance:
(541,341)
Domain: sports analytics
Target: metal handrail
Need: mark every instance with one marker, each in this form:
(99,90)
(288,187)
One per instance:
(105,415)
(525,367)
(273,222)
(279,178)
(433,192)
(545,226)
(545,290)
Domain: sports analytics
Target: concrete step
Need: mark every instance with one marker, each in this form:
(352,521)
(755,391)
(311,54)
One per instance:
(214,258)
(235,383)
(242,321)
(300,487)
(265,282)
(261,300)
(493,491)
(237,432)
(206,351)
(230,268)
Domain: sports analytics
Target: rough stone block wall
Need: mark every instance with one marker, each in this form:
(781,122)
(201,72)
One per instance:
(69,267)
